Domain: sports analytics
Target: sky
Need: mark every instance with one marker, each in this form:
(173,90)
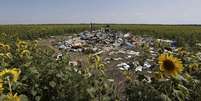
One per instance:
(100,11)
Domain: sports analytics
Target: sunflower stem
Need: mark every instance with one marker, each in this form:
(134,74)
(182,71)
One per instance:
(10,85)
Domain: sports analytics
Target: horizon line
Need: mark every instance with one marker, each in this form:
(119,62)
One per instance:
(96,23)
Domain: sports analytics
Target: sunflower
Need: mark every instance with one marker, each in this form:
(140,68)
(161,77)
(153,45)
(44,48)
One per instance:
(1,86)
(170,65)
(25,53)
(182,51)
(11,74)
(22,45)
(6,55)
(7,47)
(193,67)
(4,48)
(34,44)
(1,46)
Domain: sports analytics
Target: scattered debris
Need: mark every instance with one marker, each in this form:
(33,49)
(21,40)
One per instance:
(111,80)
(123,66)
(133,53)
(123,50)
(59,56)
(198,44)
(147,65)
(139,68)
(73,63)
(117,59)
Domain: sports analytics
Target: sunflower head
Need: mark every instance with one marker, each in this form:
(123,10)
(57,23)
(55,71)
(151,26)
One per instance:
(182,51)
(22,45)
(7,47)
(8,56)
(10,74)
(170,65)
(4,48)
(193,67)
(35,44)
(25,53)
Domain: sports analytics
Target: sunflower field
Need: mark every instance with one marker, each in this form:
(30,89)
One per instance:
(30,72)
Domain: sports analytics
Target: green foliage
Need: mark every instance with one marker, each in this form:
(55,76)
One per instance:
(184,35)
(43,78)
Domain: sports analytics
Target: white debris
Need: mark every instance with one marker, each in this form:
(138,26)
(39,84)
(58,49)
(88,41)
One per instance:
(129,56)
(59,56)
(73,63)
(89,74)
(76,70)
(123,66)
(149,72)
(127,35)
(107,62)
(136,63)
(198,44)
(52,36)
(116,59)
(62,47)
(147,65)
(198,55)
(133,53)
(151,48)
(122,51)
(147,79)
(152,52)
(98,53)
(162,40)
(139,68)
(111,80)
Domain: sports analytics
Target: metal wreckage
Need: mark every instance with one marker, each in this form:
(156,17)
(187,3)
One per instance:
(118,49)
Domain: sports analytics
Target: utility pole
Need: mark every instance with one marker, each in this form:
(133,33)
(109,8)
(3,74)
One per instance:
(91,27)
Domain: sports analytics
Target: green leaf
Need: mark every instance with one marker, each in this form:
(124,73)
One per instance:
(52,84)
(38,98)
(33,92)
(165,97)
(91,91)
(23,98)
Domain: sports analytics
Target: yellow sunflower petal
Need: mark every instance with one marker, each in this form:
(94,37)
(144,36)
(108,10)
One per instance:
(170,64)
(12,73)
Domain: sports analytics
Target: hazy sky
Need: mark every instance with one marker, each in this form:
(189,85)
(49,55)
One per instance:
(100,11)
